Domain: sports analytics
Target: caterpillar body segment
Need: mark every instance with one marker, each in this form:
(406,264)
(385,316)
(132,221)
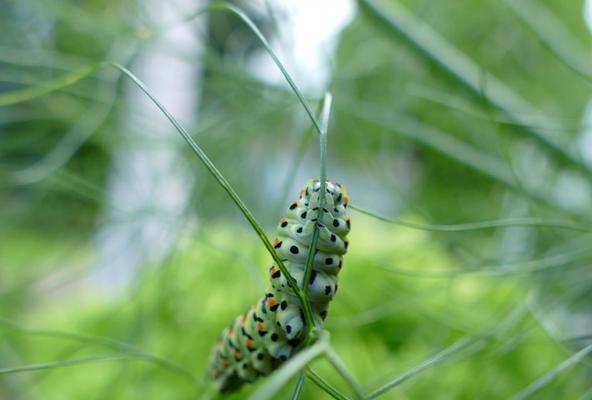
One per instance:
(267,334)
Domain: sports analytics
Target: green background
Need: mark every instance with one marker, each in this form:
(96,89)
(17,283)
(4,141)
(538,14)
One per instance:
(407,137)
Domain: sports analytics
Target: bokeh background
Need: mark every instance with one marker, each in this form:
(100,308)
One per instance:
(121,258)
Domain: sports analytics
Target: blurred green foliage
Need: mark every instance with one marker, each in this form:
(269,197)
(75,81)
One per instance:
(407,138)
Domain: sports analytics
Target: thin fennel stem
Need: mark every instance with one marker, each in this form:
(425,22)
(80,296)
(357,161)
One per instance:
(310,328)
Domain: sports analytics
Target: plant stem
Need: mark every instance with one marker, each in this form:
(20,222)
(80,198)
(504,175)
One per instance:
(296,364)
(340,367)
(320,382)
(222,181)
(315,234)
(30,93)
(398,20)
(69,363)
(227,7)
(481,225)
(548,377)
(298,388)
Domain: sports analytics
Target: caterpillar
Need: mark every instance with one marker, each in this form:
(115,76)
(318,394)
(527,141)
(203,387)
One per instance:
(269,332)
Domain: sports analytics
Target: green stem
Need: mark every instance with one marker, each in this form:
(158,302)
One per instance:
(554,35)
(107,342)
(512,319)
(324,385)
(297,160)
(85,126)
(473,226)
(460,67)
(296,364)
(69,363)
(223,182)
(340,367)
(443,355)
(30,93)
(315,233)
(222,6)
(298,387)
(548,377)
(478,160)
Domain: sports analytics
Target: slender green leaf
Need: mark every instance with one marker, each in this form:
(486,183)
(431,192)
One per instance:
(473,226)
(320,382)
(88,123)
(298,388)
(479,160)
(554,34)
(31,93)
(296,364)
(543,381)
(344,372)
(508,268)
(398,20)
(102,341)
(587,395)
(68,363)
(221,180)
(432,361)
(296,161)
(227,7)
(323,181)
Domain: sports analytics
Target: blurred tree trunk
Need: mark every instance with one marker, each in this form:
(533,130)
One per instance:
(150,183)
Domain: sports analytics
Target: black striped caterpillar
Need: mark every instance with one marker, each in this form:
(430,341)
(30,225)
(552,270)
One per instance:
(267,334)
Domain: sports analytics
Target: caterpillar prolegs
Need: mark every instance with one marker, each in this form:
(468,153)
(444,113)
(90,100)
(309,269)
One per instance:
(267,334)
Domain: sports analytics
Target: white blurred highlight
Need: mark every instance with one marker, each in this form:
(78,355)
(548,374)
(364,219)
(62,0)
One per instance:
(306,40)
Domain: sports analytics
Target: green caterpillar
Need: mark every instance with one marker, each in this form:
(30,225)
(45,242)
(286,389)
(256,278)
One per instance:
(266,335)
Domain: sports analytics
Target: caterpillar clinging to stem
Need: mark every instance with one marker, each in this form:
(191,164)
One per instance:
(267,334)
